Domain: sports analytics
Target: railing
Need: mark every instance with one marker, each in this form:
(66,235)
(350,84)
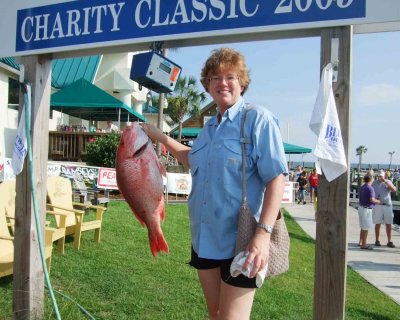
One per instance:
(69,146)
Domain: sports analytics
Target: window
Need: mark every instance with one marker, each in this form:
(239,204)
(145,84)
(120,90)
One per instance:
(13,93)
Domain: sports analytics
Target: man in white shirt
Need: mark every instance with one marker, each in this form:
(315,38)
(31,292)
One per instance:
(111,127)
(383,212)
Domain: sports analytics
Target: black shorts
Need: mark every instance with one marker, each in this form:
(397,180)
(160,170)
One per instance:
(224,265)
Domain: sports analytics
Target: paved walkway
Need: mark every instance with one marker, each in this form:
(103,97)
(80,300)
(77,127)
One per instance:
(380,267)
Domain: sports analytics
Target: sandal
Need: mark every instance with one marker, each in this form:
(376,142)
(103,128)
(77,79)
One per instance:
(367,248)
(391,244)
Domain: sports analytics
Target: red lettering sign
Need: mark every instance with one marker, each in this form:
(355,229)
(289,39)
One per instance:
(107,179)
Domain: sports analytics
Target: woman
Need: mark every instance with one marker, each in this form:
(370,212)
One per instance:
(215,162)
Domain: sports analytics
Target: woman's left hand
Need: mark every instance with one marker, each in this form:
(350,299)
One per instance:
(258,250)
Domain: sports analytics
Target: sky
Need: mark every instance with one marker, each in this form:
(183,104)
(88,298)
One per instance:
(285,79)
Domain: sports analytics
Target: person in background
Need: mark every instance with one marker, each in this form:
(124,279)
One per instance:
(215,160)
(383,212)
(295,177)
(297,173)
(396,175)
(313,182)
(302,181)
(111,127)
(367,201)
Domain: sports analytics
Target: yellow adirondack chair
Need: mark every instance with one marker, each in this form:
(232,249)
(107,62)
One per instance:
(7,199)
(7,246)
(59,196)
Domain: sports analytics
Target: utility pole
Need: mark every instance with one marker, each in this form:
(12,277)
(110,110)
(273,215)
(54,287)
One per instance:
(391,155)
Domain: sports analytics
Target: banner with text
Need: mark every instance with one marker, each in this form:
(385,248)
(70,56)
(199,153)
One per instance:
(84,22)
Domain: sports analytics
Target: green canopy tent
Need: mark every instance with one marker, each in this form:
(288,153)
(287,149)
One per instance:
(84,100)
(293,149)
(189,133)
(192,133)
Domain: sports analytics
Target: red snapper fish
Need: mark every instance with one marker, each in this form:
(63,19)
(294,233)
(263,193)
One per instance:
(139,178)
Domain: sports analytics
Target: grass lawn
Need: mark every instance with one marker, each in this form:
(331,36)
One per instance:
(119,279)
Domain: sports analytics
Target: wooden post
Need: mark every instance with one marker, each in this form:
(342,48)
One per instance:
(28,297)
(333,197)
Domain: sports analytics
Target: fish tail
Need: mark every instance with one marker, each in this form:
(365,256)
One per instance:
(158,243)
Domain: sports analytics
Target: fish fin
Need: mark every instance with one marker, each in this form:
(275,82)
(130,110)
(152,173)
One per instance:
(162,212)
(158,243)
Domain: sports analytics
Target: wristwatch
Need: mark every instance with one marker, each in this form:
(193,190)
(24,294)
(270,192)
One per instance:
(264,226)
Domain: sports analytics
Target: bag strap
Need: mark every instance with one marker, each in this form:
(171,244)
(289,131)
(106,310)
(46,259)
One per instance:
(243,141)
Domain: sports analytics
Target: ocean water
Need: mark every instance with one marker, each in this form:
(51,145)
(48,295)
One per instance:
(364,166)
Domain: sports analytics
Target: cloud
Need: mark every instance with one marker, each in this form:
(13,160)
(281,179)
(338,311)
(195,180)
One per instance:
(377,95)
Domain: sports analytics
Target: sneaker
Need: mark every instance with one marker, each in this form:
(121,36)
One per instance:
(304,202)
(391,244)
(298,202)
(377,243)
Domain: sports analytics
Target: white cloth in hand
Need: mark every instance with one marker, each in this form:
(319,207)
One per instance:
(237,268)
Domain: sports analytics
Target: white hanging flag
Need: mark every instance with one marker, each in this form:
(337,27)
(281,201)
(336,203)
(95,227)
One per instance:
(20,147)
(325,124)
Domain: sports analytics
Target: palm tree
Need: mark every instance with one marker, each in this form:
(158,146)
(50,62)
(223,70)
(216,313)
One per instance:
(185,100)
(359,151)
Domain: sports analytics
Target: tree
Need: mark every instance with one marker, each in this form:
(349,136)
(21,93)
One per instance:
(185,100)
(359,151)
(103,150)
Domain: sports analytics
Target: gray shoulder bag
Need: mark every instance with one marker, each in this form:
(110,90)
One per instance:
(278,261)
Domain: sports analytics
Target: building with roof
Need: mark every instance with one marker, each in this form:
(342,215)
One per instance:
(103,77)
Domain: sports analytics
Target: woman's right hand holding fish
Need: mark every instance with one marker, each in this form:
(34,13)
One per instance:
(179,151)
(152,132)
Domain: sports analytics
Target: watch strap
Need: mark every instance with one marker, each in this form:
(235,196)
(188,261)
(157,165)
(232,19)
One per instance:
(264,226)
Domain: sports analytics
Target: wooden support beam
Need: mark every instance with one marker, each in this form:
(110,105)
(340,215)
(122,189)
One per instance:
(28,297)
(333,197)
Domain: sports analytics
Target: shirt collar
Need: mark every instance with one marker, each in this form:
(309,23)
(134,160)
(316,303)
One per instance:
(230,113)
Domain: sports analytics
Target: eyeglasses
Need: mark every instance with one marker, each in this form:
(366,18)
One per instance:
(218,79)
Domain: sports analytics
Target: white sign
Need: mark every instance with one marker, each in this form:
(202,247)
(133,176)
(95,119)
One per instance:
(30,27)
(53,169)
(288,193)
(6,170)
(179,183)
(107,179)
(1,169)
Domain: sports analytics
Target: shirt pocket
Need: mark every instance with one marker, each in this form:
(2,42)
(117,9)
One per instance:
(197,156)
(233,158)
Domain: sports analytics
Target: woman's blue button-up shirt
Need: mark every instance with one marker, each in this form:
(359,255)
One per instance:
(216,167)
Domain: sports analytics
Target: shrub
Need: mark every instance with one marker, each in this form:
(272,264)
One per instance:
(102,152)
